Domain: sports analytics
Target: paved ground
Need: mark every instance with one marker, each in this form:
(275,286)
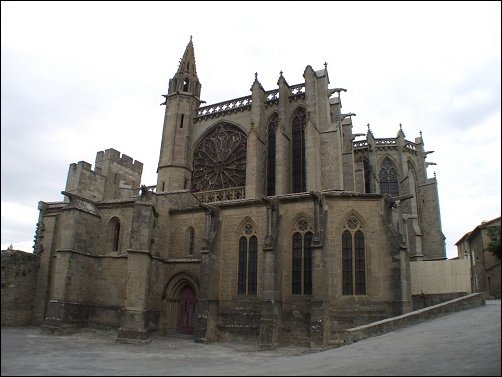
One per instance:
(466,343)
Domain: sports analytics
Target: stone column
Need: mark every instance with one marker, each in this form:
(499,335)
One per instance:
(283,145)
(134,327)
(255,179)
(269,323)
(319,311)
(207,303)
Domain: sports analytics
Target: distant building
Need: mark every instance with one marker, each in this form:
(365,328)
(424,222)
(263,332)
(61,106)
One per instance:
(485,266)
(268,220)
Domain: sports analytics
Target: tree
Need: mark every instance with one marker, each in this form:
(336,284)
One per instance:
(494,245)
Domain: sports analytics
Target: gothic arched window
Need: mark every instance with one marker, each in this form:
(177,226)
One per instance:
(219,160)
(353,259)
(388,178)
(113,234)
(190,240)
(298,151)
(271,143)
(301,263)
(248,261)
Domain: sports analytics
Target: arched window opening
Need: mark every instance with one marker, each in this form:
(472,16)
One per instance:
(301,262)
(360,270)
(190,240)
(353,259)
(271,145)
(248,262)
(186,83)
(347,262)
(116,237)
(297,264)
(298,151)
(252,265)
(181,121)
(113,234)
(388,178)
(307,263)
(243,260)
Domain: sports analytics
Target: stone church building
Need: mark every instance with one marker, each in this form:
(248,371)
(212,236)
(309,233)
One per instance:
(269,221)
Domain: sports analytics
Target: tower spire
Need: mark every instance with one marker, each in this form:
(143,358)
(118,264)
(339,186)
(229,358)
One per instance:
(183,98)
(185,79)
(187,63)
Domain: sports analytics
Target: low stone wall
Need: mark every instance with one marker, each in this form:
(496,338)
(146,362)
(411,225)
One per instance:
(355,334)
(19,278)
(425,300)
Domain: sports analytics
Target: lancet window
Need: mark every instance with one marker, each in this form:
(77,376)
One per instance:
(113,234)
(248,261)
(271,144)
(301,264)
(353,258)
(298,150)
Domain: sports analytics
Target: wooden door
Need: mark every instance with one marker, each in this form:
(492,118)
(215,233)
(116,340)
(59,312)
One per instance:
(186,312)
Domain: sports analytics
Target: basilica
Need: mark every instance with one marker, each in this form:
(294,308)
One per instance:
(270,221)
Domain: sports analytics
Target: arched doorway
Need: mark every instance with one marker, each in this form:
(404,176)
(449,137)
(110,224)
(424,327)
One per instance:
(179,300)
(186,311)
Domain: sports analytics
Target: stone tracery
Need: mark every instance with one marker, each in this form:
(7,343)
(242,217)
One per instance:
(220,159)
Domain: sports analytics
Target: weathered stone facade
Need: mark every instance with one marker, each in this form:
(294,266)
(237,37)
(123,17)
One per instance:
(19,277)
(267,222)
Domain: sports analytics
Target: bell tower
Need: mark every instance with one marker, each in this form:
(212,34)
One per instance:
(174,171)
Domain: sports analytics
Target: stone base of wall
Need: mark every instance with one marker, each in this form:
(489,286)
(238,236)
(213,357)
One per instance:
(65,317)
(240,320)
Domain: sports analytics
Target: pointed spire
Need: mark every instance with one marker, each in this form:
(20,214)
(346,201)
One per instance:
(369,130)
(282,79)
(187,62)
(185,79)
(400,132)
(256,82)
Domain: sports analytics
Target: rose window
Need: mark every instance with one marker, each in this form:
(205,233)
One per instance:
(219,160)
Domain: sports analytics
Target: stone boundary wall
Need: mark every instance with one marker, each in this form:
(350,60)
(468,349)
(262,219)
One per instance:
(425,300)
(355,334)
(19,279)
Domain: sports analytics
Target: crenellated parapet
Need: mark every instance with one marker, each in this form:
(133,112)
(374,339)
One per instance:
(122,160)
(114,177)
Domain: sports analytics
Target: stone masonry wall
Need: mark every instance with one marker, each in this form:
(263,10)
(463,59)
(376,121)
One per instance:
(19,277)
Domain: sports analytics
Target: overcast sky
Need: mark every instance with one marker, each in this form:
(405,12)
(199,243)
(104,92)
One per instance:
(78,78)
